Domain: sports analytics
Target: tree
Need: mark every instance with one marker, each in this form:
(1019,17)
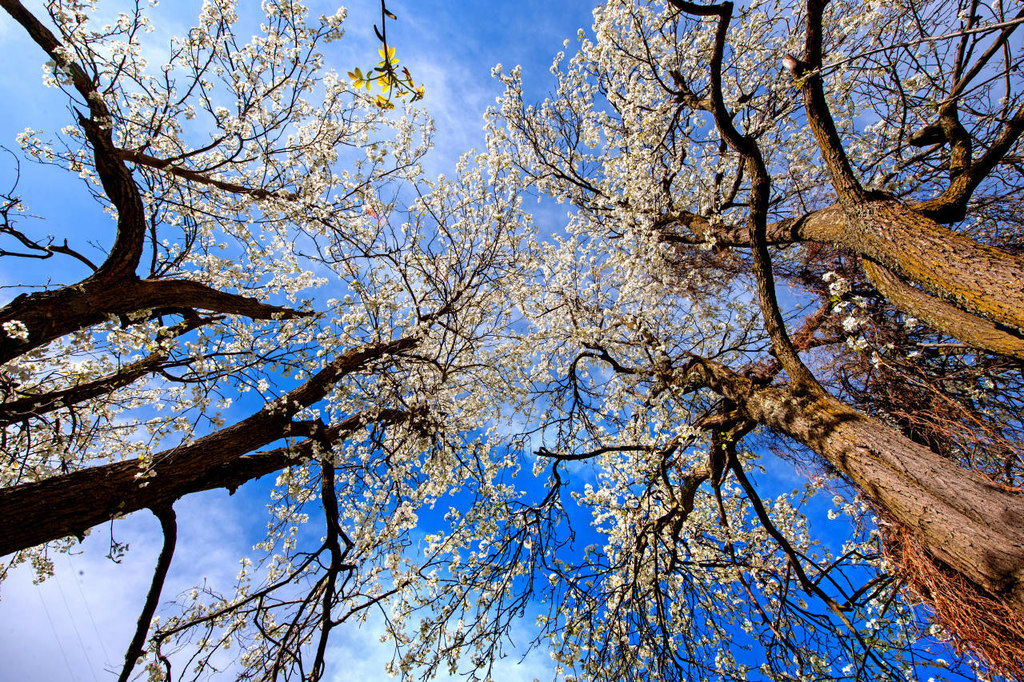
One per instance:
(243,177)
(881,164)
(642,353)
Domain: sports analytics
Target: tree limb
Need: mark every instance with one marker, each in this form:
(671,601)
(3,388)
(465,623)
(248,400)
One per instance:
(971,329)
(49,315)
(808,74)
(137,647)
(35,405)
(202,178)
(760,192)
(72,503)
(951,205)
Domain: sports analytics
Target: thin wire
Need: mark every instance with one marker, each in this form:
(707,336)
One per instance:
(56,637)
(74,626)
(88,610)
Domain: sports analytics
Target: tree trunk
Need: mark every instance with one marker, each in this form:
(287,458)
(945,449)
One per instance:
(967,522)
(976,278)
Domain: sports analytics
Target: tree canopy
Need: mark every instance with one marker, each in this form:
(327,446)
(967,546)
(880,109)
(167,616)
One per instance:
(794,236)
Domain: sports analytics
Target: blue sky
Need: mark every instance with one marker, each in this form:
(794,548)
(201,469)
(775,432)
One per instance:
(77,625)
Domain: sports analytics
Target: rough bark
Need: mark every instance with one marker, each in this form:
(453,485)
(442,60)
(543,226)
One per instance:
(49,315)
(948,319)
(978,279)
(984,286)
(965,521)
(70,504)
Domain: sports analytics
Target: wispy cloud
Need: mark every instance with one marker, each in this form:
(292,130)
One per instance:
(77,624)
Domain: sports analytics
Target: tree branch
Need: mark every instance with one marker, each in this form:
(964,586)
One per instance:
(951,205)
(202,178)
(72,503)
(115,177)
(330,503)
(49,315)
(971,329)
(808,75)
(46,250)
(760,192)
(35,405)
(137,647)
(979,280)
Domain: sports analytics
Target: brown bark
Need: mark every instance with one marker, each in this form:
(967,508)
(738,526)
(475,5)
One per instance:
(973,526)
(29,406)
(976,278)
(49,315)
(970,329)
(987,282)
(819,117)
(827,225)
(70,504)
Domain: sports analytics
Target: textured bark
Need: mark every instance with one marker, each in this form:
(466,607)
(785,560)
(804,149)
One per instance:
(976,278)
(49,315)
(984,287)
(970,524)
(948,319)
(70,504)
(826,225)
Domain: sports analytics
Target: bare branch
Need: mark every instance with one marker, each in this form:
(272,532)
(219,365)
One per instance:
(137,647)
(819,116)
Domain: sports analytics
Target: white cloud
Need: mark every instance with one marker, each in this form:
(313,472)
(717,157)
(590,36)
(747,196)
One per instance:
(77,625)
(358,654)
